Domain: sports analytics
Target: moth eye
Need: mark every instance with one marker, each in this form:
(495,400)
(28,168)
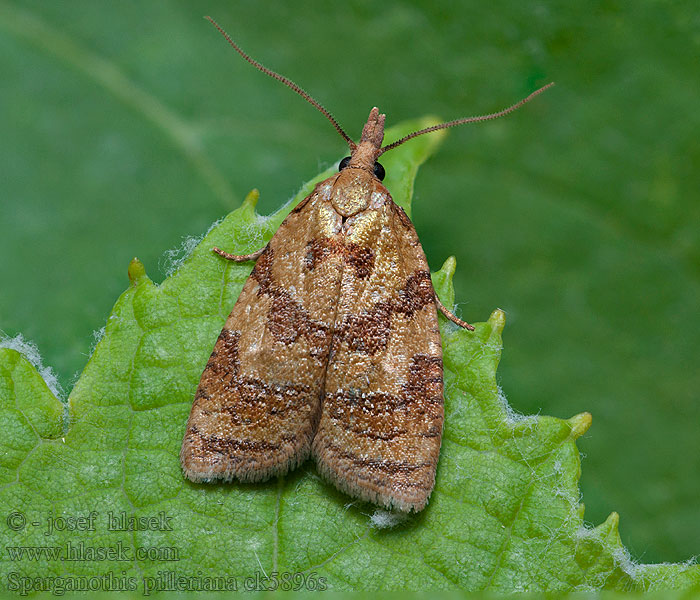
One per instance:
(379,171)
(343,163)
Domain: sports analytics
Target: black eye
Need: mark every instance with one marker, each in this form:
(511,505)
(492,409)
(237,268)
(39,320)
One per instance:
(379,171)
(343,163)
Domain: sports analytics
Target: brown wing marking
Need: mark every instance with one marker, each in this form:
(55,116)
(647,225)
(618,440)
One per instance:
(258,402)
(380,430)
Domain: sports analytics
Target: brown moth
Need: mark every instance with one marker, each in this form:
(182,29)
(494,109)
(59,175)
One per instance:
(333,347)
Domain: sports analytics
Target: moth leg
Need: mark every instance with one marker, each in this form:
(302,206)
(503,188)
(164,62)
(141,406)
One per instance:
(239,257)
(451,317)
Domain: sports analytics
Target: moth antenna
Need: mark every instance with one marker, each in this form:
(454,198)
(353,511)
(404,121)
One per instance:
(288,82)
(456,122)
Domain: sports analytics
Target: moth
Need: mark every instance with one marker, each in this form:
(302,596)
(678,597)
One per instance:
(332,349)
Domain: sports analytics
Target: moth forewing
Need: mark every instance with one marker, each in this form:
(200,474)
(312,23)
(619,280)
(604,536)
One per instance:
(382,412)
(258,401)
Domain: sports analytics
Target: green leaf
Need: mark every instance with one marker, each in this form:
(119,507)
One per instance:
(504,515)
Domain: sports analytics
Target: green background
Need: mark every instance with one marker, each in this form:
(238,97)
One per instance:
(127,126)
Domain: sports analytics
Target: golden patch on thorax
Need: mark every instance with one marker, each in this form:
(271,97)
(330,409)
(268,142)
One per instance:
(352,191)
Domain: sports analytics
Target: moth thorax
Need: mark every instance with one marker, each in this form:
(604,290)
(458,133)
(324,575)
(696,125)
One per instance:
(352,191)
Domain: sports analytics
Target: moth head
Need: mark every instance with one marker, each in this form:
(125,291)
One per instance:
(378,169)
(364,154)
